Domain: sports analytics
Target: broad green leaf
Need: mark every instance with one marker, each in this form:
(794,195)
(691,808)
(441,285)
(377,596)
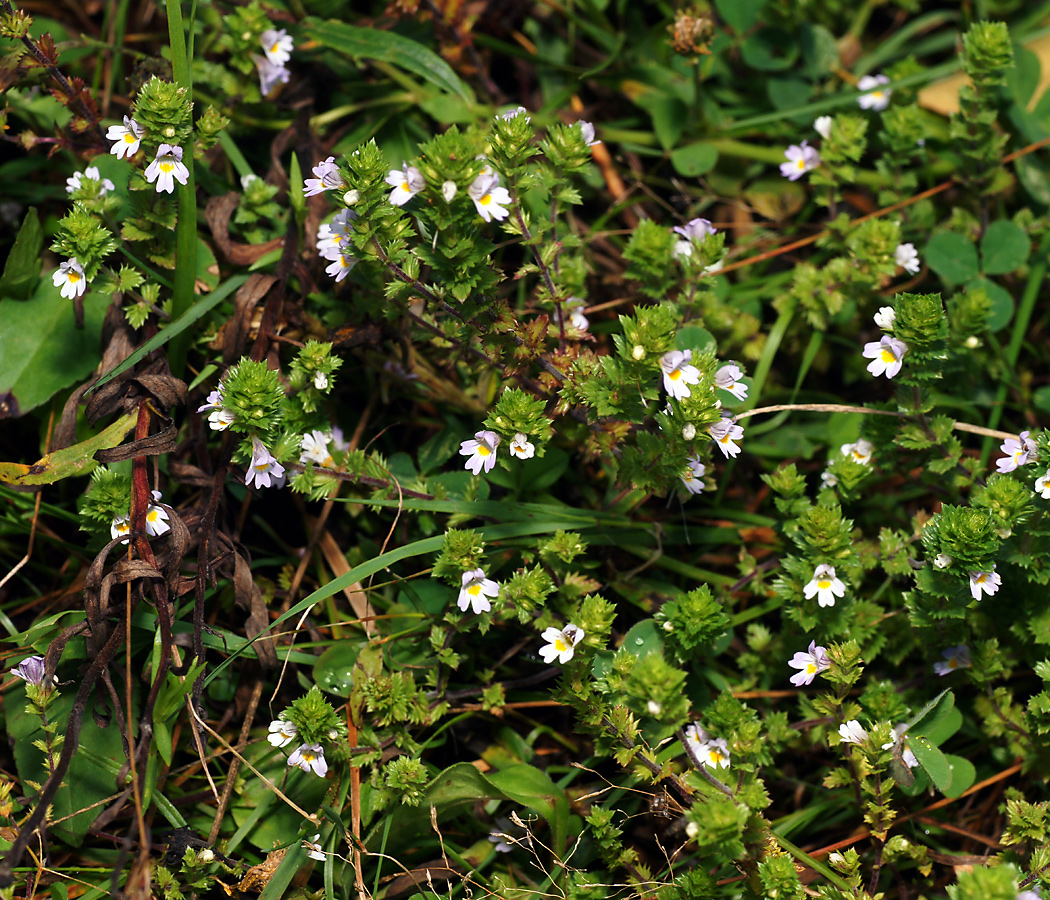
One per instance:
(952,256)
(769,50)
(694,159)
(740,15)
(76,460)
(820,53)
(644,638)
(932,761)
(1004,248)
(386,46)
(932,712)
(22,269)
(963,775)
(1033,179)
(42,350)
(669,116)
(334,671)
(938,728)
(92,773)
(534,789)
(695,338)
(1041,398)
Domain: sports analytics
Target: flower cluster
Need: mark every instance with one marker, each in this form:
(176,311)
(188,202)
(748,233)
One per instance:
(333,244)
(706,750)
(81,180)
(156,521)
(277,50)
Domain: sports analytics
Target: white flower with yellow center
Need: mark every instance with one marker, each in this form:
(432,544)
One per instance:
(167,168)
(406,183)
(707,750)
(326,178)
(309,757)
(70,277)
(490,200)
(522,447)
(120,527)
(809,664)
(561,643)
(694,471)
(126,138)
(954,658)
(679,373)
(282,733)
(885,356)
(263,470)
(725,434)
(1042,485)
(314,446)
(481,450)
(728,379)
(277,45)
(984,582)
(475,591)
(877,98)
(1019,452)
(859,451)
(825,586)
(156,517)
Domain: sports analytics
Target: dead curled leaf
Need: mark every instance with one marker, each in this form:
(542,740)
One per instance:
(218,214)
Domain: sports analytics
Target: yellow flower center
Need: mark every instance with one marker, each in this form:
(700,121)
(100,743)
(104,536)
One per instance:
(167,166)
(276,46)
(405,187)
(474,589)
(130,138)
(153,516)
(823,584)
(801,164)
(560,645)
(981,579)
(486,200)
(72,276)
(887,356)
(674,374)
(811,669)
(953,663)
(483,450)
(309,756)
(716,756)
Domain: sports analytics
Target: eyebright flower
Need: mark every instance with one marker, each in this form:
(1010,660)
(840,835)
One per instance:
(852,733)
(877,98)
(309,757)
(694,229)
(277,45)
(282,733)
(326,178)
(823,126)
(490,200)
(728,379)
(954,658)
(885,318)
(828,479)
(481,450)
(167,168)
(1018,452)
(270,74)
(988,582)
(212,401)
(70,277)
(30,670)
(1029,895)
(120,527)
(561,643)
(475,591)
(522,447)
(406,183)
(801,158)
(156,517)
(74,182)
(220,419)
(694,471)
(679,373)
(320,381)
(898,738)
(513,114)
(809,663)
(907,257)
(126,138)
(942,561)
(314,447)
(313,849)
(885,355)
(264,469)
(710,751)
(859,452)
(574,307)
(588,133)
(825,586)
(725,434)
(1042,485)
(341,261)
